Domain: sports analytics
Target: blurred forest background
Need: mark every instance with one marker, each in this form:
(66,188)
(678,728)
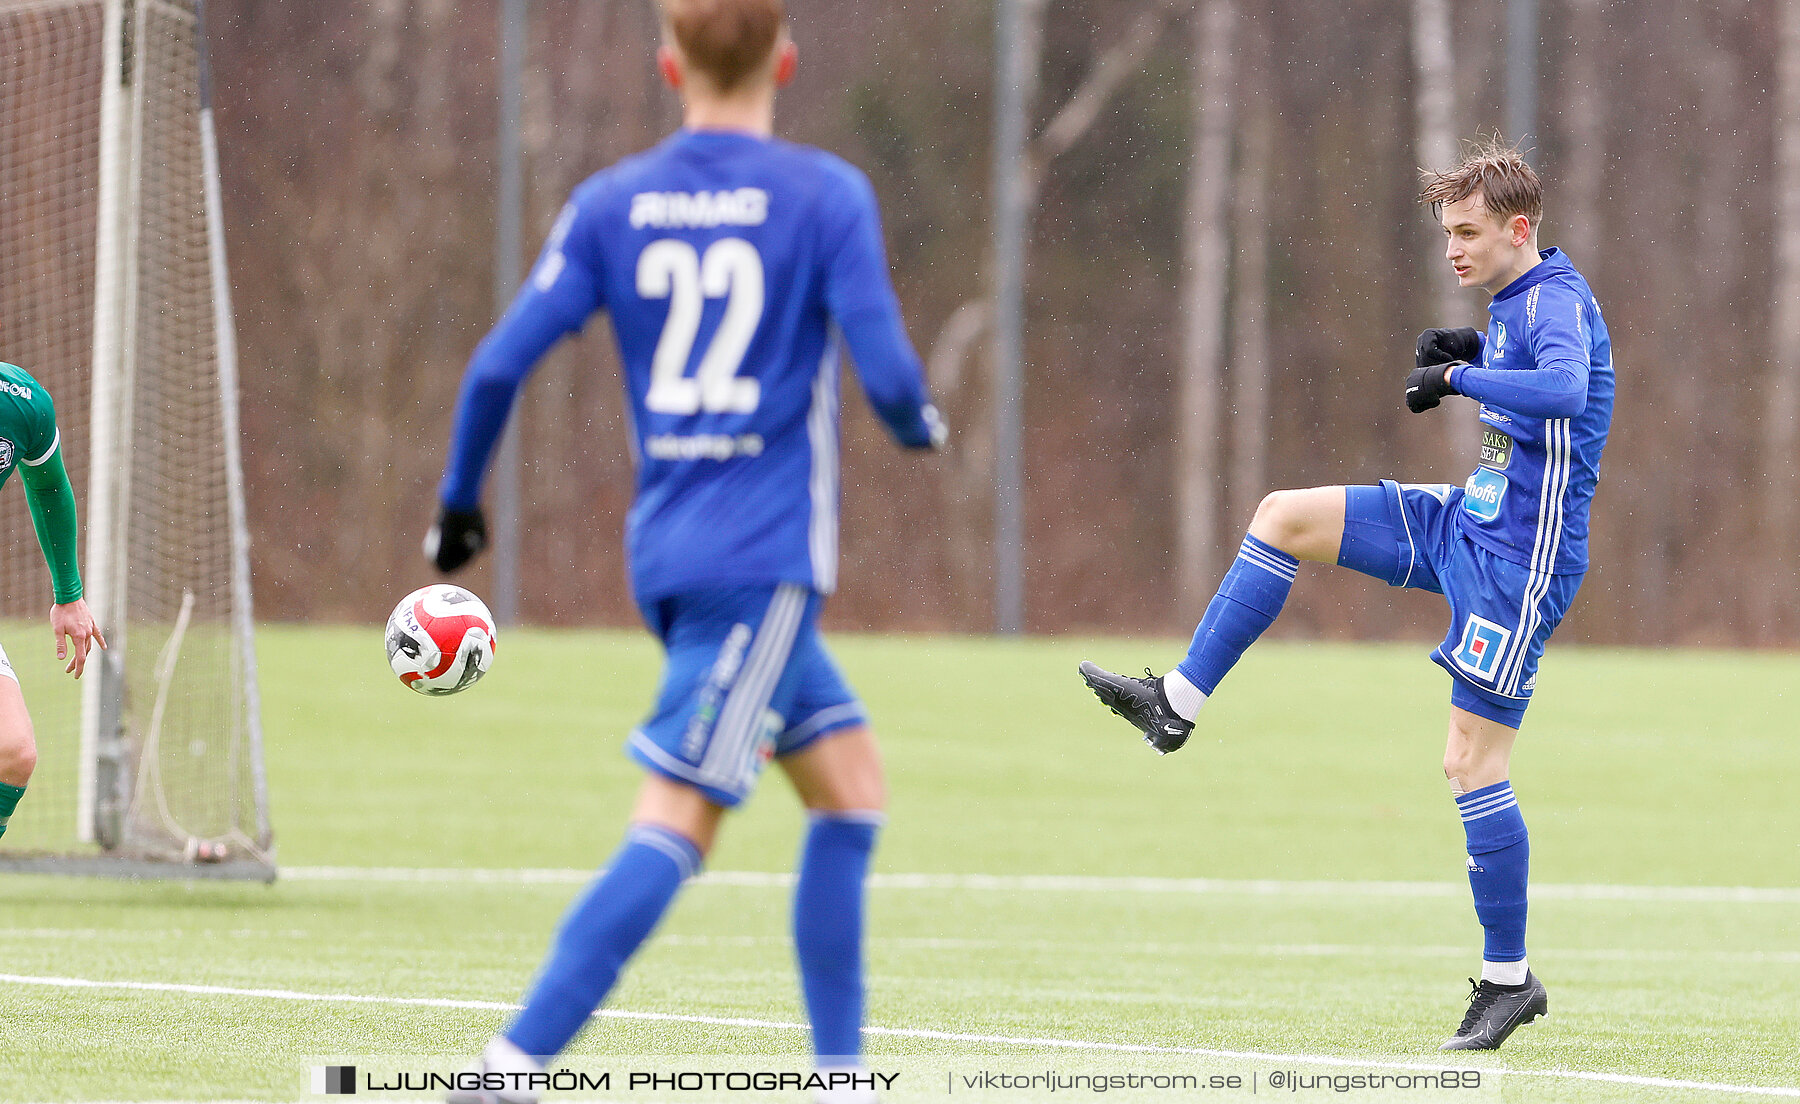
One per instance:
(1226,274)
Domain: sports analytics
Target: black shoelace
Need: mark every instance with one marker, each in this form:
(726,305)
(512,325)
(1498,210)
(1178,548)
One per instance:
(1482,996)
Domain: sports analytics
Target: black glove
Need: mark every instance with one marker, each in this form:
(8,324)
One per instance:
(455,538)
(1444,346)
(1428,383)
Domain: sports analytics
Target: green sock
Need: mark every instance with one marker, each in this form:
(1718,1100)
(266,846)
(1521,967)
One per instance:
(9,800)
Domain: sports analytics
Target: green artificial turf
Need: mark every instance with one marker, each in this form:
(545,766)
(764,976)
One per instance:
(1283,894)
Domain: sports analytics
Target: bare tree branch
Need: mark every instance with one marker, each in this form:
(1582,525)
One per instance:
(1113,69)
(962,329)
(1066,128)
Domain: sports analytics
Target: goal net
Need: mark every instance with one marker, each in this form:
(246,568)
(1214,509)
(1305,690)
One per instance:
(113,293)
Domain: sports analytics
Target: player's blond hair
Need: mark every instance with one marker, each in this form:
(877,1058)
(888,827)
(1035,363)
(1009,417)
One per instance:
(726,40)
(1494,168)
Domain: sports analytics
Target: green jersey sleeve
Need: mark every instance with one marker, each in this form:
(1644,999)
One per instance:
(30,442)
(28,433)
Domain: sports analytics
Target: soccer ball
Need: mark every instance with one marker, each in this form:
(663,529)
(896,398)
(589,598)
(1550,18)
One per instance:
(440,639)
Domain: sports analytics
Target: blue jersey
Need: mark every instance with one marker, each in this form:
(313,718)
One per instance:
(730,265)
(1545,383)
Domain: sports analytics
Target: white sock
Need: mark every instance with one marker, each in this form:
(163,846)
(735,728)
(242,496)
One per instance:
(1504,973)
(1184,697)
(503,1056)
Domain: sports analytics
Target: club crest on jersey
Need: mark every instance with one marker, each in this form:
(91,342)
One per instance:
(1483,493)
(1483,643)
(6,454)
(1498,345)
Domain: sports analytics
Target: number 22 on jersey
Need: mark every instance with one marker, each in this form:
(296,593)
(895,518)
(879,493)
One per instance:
(731,269)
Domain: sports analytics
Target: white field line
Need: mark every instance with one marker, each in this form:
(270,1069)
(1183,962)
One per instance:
(941,943)
(1059,883)
(921,1033)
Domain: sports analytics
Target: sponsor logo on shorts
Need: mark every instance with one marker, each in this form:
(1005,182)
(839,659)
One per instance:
(1496,448)
(1483,493)
(712,695)
(1483,643)
(767,732)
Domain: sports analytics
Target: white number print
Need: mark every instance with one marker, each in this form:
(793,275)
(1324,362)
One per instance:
(732,270)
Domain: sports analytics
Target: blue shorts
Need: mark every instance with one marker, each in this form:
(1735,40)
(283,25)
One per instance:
(747,679)
(1501,613)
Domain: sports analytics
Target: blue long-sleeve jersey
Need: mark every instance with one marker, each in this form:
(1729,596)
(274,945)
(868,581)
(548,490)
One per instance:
(1545,383)
(730,266)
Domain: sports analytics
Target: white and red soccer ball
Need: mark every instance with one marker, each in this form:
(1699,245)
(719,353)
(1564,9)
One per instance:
(440,639)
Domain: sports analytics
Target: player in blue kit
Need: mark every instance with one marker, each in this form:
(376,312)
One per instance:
(1507,549)
(729,262)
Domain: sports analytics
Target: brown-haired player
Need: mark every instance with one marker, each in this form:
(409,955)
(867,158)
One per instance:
(732,266)
(1507,549)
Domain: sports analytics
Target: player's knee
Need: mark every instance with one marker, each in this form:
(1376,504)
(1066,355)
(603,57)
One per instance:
(841,772)
(1282,520)
(1456,766)
(874,796)
(18,758)
(1271,510)
(679,808)
(1469,768)
(864,790)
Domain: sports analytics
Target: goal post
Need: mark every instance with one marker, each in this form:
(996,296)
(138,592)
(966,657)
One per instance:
(118,300)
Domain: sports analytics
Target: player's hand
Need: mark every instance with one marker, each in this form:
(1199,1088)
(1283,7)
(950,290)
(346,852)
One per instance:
(455,538)
(72,624)
(1428,383)
(1444,346)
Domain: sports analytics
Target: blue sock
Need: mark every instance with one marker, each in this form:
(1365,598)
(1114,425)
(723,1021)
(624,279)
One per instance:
(599,934)
(1248,602)
(828,930)
(1499,864)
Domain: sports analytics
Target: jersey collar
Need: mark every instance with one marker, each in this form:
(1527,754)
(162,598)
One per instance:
(1551,262)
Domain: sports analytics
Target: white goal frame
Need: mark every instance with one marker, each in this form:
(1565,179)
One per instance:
(120,805)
